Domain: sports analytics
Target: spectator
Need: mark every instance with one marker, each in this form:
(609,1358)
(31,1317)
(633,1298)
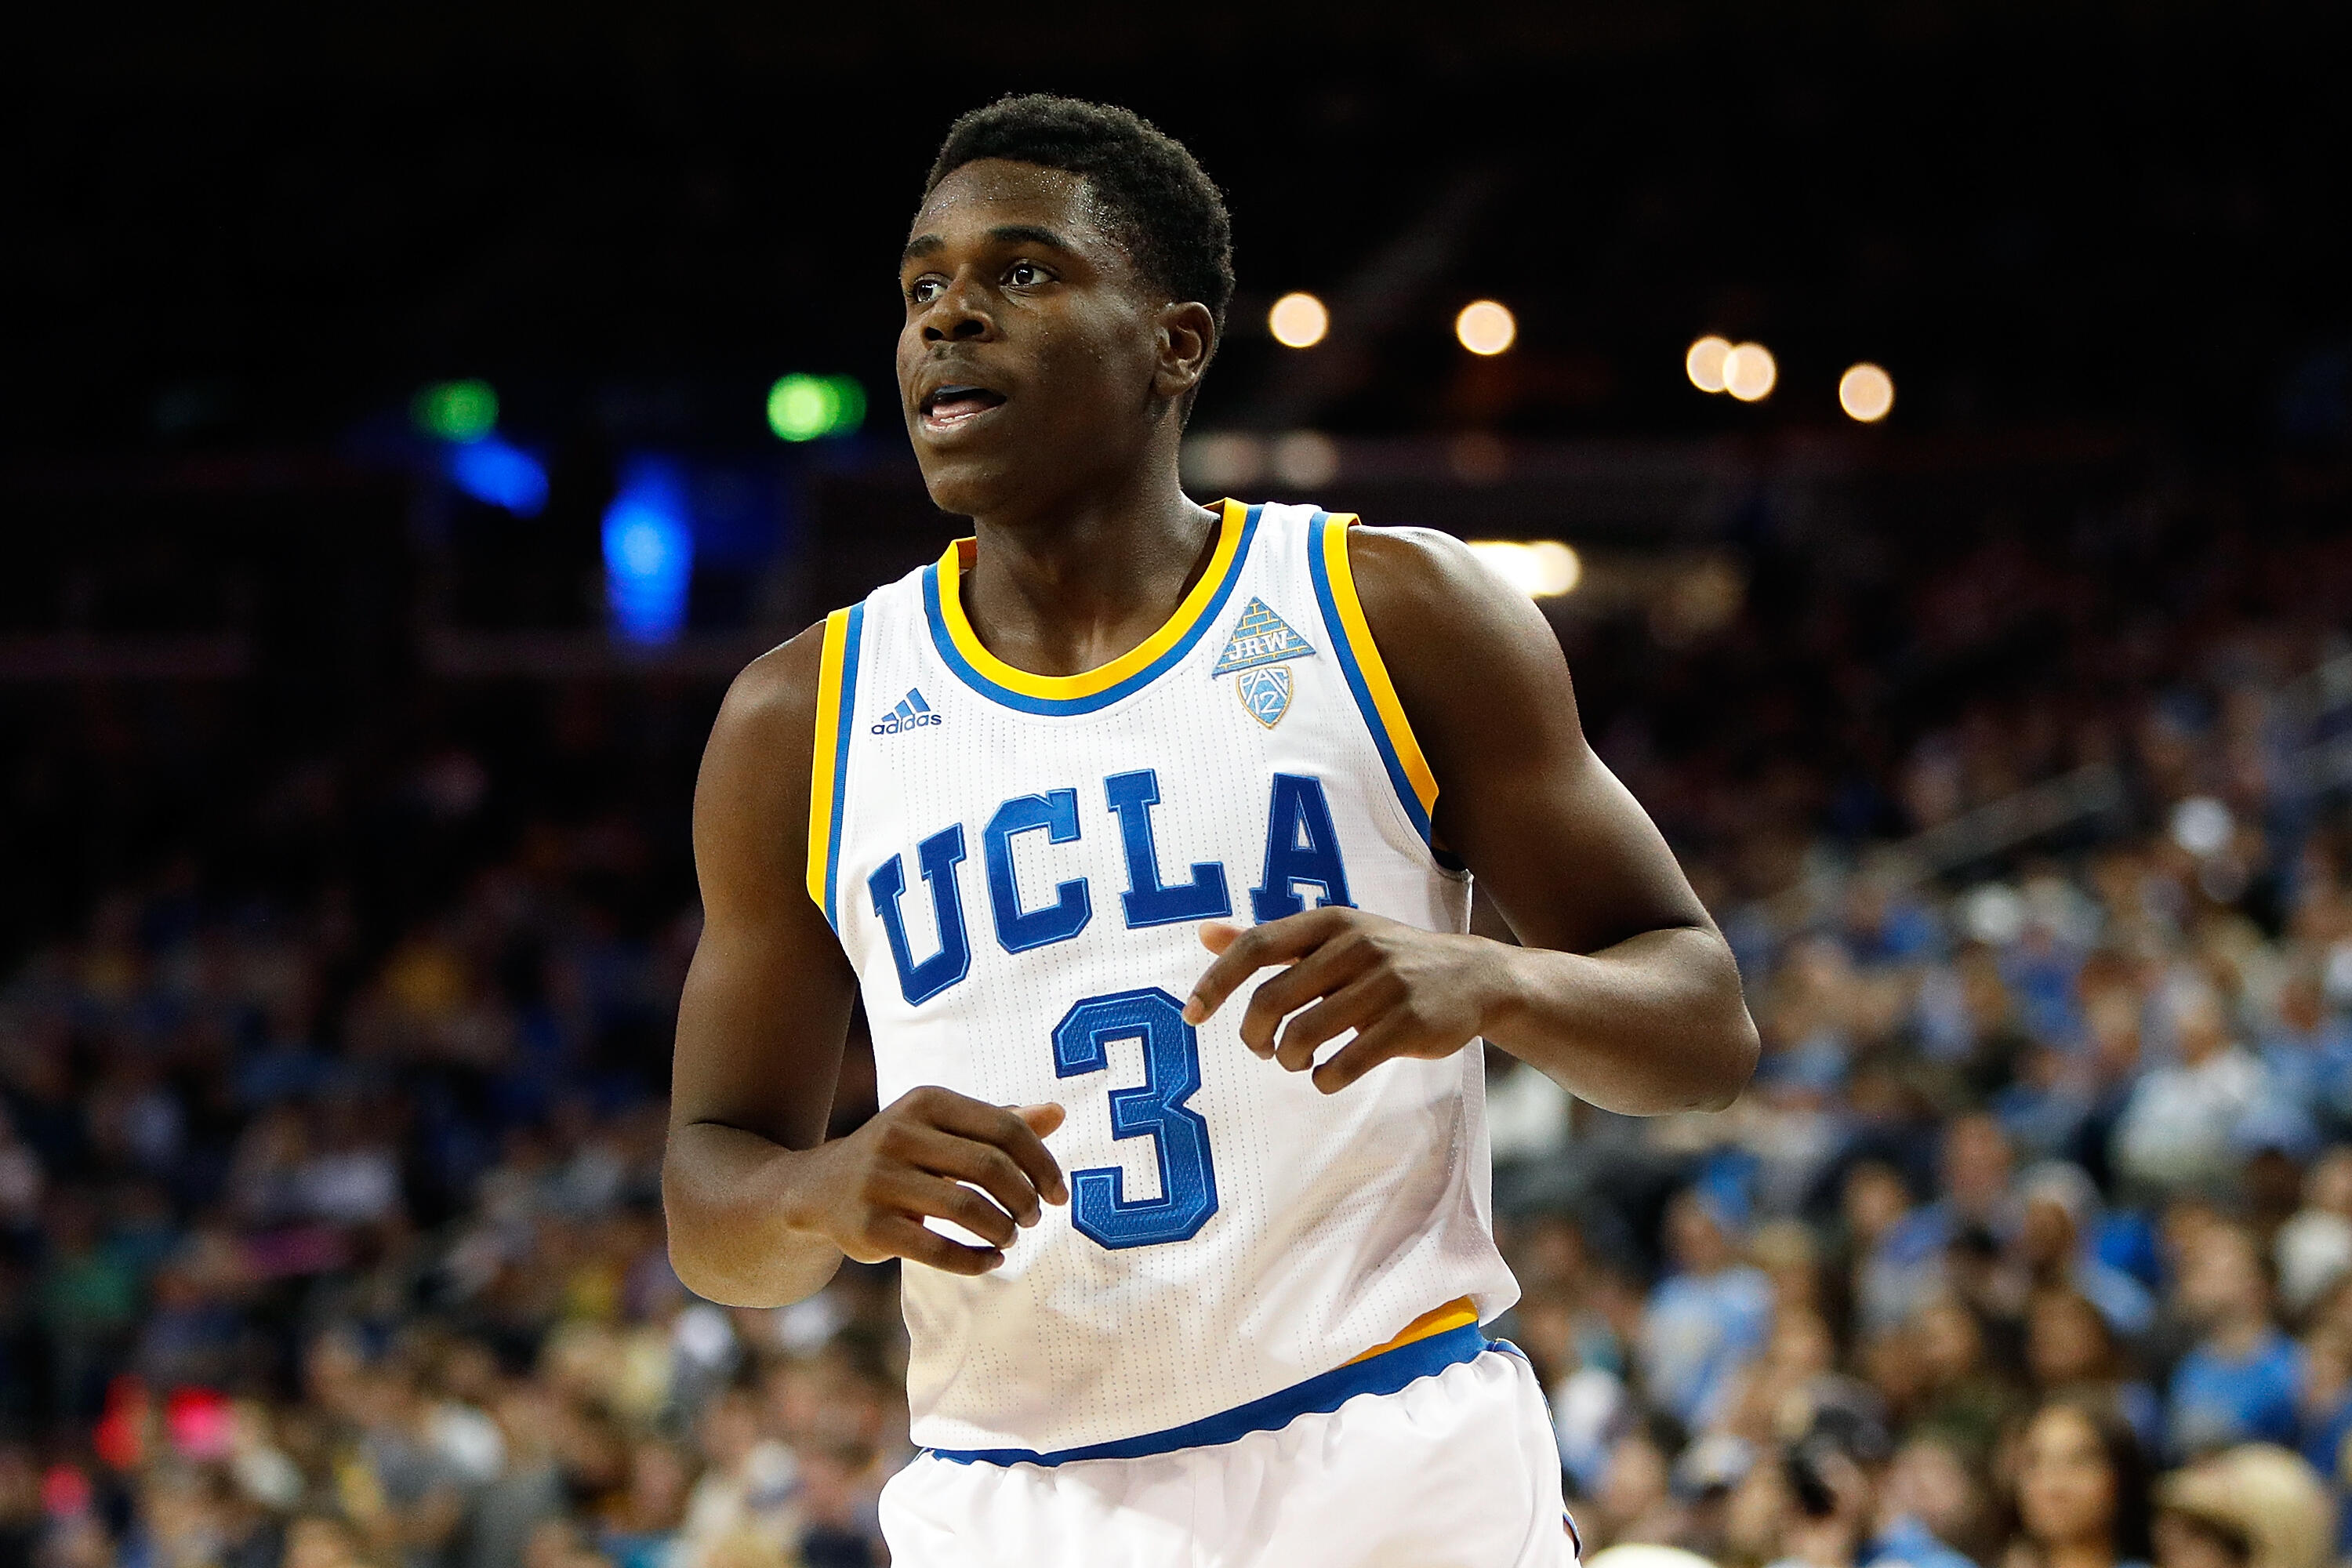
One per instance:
(2071,1350)
(2242,1382)
(2255,1505)
(2176,1130)
(2081,1490)
(2058,1208)
(1961,1398)
(2314,1249)
(1708,1318)
(2307,1053)
(1845,1513)
(1975,1206)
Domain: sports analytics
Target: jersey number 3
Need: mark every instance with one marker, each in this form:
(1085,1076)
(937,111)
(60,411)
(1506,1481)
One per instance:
(1153,1110)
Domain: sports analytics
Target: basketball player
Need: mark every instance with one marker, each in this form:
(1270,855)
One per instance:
(1146,829)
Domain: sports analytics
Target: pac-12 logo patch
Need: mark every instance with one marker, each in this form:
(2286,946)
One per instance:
(1264,691)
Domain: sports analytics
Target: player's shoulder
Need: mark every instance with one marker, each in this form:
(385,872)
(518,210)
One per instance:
(1420,586)
(773,700)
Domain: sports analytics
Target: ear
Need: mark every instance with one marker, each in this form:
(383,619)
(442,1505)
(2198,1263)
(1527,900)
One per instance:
(1188,340)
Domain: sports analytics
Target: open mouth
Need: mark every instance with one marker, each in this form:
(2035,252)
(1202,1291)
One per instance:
(950,406)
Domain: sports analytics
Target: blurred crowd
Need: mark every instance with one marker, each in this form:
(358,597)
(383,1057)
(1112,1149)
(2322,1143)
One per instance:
(2032,1243)
(2033,1236)
(332,1064)
(404,1301)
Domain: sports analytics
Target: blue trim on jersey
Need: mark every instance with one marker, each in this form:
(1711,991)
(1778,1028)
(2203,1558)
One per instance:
(1338,629)
(848,721)
(954,659)
(1384,1373)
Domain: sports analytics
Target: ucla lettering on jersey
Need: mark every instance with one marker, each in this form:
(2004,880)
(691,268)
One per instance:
(1016,864)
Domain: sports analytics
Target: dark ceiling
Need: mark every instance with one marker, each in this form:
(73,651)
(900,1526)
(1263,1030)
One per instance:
(259,229)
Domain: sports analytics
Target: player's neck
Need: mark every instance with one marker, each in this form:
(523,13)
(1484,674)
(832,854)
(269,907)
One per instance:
(1072,584)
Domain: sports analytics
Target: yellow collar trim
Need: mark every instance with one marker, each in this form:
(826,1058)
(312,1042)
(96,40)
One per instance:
(1061,688)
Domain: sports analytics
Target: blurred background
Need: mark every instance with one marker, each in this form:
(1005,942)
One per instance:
(1928,426)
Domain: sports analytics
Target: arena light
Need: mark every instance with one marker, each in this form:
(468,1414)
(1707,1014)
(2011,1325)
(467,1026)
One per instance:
(1867,393)
(1298,321)
(1749,373)
(803,407)
(1541,568)
(1704,362)
(1304,459)
(648,552)
(459,410)
(1224,460)
(1486,327)
(492,471)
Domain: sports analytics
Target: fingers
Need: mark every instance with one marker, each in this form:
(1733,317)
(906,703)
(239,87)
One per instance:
(1042,1118)
(985,1166)
(1354,1006)
(1009,1131)
(919,1244)
(961,1204)
(1369,1049)
(1218,935)
(1322,973)
(1276,942)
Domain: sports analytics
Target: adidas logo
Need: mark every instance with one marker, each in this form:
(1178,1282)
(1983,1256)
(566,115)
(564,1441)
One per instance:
(912,713)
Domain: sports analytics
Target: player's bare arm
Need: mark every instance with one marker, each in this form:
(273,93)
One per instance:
(1625,992)
(762,1208)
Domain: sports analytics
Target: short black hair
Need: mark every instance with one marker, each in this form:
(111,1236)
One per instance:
(1160,203)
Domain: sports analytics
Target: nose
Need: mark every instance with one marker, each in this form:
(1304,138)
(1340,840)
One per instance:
(953,316)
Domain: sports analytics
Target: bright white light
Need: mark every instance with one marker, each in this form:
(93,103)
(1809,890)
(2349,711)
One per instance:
(1485,327)
(1298,321)
(1993,913)
(1704,362)
(2202,825)
(1541,569)
(1748,372)
(1867,393)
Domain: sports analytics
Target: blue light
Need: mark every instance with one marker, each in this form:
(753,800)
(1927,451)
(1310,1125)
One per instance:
(648,552)
(491,470)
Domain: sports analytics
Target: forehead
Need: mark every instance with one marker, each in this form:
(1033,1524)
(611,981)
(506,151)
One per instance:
(994,192)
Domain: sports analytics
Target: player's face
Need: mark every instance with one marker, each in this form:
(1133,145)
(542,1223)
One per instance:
(1027,359)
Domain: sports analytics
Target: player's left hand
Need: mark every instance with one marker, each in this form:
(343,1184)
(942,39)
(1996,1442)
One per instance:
(1406,991)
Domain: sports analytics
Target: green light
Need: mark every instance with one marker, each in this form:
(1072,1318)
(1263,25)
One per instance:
(457,411)
(803,407)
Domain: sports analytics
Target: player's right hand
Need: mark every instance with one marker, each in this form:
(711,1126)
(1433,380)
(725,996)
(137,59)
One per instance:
(911,1163)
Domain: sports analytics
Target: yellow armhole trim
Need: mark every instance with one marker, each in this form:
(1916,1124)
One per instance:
(1062,687)
(1436,1320)
(825,755)
(1359,633)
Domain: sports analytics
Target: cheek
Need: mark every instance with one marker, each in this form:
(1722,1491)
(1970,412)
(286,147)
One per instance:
(1093,350)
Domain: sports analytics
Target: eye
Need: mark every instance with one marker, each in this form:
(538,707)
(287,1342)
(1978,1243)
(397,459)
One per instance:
(1024,274)
(925,289)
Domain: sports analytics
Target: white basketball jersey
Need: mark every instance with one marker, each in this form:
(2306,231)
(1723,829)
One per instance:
(1017,866)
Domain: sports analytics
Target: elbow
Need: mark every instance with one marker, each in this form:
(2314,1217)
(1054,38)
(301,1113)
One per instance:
(699,1254)
(1731,1063)
(695,1274)
(716,1256)
(1729,1047)
(691,1258)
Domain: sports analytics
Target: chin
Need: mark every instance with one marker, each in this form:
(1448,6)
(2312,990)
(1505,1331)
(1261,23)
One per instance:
(962,485)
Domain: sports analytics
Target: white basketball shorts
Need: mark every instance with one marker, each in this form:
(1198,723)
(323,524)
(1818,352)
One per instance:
(1457,1469)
